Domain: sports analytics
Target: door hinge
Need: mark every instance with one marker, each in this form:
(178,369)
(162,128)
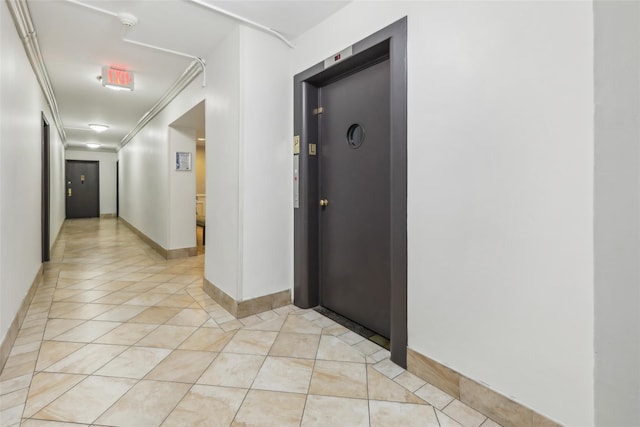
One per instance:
(318,110)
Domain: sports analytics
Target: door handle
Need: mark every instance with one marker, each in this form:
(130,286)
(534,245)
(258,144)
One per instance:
(324,203)
(69,192)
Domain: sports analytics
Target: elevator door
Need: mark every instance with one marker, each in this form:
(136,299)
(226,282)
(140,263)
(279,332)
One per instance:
(355,197)
(83,189)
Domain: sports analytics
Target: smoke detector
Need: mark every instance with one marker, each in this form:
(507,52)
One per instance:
(127,19)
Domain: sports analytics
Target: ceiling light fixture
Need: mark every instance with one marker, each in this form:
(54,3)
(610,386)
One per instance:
(98,128)
(91,145)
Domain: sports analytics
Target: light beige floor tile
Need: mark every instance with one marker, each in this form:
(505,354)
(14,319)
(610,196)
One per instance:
(20,359)
(463,414)
(182,366)
(147,404)
(332,348)
(87,332)
(87,400)
(382,388)
(54,351)
(268,315)
(26,348)
(117,297)
(251,342)
(166,336)
(229,323)
(379,356)
(250,320)
(388,368)
(300,325)
(115,285)
(56,327)
(446,421)
(155,315)
(491,423)
(168,288)
(270,409)
(17,370)
(43,423)
(207,406)
(383,414)
(284,374)
(295,345)
(434,396)
(46,387)
(207,339)
(146,299)
(189,317)
(63,294)
(11,416)
(232,370)
(323,411)
(409,381)
(13,384)
(87,311)
(160,277)
(121,313)
(351,338)
(367,347)
(179,300)
(16,398)
(342,379)
(87,296)
(135,362)
(126,334)
(87,359)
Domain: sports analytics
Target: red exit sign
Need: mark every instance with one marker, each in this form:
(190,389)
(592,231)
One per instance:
(116,78)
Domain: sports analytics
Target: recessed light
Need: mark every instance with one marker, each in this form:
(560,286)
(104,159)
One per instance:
(91,145)
(98,128)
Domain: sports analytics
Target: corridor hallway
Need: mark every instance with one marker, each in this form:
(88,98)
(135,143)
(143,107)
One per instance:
(118,336)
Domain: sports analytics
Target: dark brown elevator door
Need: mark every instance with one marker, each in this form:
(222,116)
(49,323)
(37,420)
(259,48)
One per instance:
(355,182)
(82,189)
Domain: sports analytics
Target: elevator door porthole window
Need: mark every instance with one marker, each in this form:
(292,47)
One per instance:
(355,135)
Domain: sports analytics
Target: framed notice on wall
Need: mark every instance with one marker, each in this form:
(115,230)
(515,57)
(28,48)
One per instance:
(183,161)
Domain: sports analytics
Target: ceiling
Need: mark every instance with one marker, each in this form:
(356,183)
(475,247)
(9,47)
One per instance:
(78,37)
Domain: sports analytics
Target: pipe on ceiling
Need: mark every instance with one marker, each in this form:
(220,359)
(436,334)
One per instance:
(183,81)
(24,25)
(242,19)
(128,24)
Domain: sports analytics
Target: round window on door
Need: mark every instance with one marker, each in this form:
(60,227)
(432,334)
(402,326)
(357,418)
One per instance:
(355,135)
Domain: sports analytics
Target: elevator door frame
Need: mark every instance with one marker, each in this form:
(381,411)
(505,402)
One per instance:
(390,42)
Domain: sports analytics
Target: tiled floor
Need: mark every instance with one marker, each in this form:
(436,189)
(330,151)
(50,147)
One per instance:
(118,336)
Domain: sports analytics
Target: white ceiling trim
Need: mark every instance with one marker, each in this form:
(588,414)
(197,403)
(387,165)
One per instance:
(24,26)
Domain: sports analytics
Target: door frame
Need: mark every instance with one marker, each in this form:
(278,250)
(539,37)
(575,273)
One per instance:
(389,42)
(45,200)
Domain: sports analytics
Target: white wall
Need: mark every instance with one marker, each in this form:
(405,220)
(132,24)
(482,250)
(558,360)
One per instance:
(182,190)
(107,177)
(617,213)
(21,103)
(222,256)
(500,120)
(266,150)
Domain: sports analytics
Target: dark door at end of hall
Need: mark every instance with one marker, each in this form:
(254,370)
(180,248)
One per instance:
(356,205)
(82,189)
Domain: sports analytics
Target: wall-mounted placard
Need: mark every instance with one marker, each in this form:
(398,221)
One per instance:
(183,161)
